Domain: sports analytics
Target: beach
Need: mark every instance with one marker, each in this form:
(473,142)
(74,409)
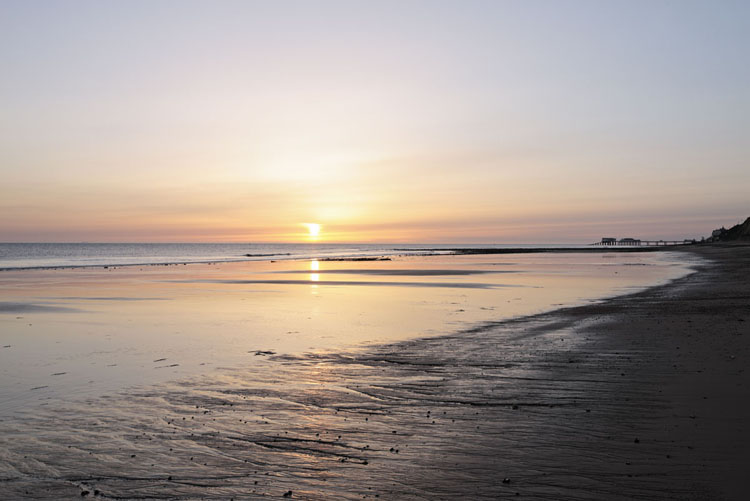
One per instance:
(390,250)
(86,331)
(641,396)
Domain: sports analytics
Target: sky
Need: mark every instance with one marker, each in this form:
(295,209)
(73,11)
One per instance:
(382,121)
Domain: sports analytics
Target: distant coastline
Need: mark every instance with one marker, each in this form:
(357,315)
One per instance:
(20,256)
(34,256)
(384,254)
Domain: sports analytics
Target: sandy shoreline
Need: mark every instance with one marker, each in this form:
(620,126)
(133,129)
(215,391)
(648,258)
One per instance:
(640,396)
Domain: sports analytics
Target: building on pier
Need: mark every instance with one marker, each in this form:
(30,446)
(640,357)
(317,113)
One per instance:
(629,241)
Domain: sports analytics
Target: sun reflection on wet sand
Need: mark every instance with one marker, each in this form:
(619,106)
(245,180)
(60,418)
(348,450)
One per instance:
(314,268)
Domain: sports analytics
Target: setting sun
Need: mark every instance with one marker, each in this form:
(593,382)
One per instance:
(313,229)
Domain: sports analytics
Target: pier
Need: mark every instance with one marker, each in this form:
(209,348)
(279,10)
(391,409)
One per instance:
(630,242)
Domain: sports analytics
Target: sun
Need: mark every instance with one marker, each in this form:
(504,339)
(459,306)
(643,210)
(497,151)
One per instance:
(313,230)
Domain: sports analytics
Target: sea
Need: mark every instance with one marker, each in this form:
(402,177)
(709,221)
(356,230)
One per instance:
(57,255)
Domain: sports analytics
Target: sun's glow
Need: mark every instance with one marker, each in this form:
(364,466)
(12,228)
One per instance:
(313,230)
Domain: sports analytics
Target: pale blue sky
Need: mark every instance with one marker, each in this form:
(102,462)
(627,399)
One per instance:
(427,121)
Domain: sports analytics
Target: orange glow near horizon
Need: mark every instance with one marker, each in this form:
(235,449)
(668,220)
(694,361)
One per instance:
(366,204)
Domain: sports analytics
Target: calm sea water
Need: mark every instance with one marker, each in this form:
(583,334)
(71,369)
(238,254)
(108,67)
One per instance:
(50,255)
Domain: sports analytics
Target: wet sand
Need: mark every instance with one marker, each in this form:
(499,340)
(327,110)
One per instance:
(639,397)
(104,330)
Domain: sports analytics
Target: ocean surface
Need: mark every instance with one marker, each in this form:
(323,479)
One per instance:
(51,255)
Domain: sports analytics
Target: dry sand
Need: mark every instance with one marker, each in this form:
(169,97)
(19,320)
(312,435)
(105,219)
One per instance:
(639,397)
